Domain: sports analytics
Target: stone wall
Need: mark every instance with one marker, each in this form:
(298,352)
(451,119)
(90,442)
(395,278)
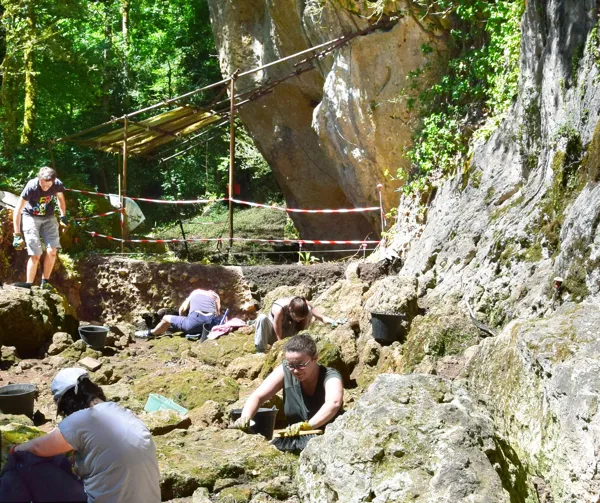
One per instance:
(114,289)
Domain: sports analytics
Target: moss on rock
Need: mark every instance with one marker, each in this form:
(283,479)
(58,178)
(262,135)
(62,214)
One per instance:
(580,265)
(224,350)
(236,494)
(591,160)
(331,355)
(219,352)
(200,459)
(437,334)
(79,350)
(15,434)
(189,388)
(273,359)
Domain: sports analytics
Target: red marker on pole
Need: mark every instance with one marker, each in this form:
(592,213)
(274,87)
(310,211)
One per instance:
(379,187)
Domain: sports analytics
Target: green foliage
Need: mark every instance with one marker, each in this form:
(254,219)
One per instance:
(253,223)
(591,162)
(567,183)
(307,258)
(438,151)
(87,70)
(478,84)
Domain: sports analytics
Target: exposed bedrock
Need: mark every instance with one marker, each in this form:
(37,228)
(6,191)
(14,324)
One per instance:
(541,382)
(29,318)
(527,208)
(411,438)
(331,133)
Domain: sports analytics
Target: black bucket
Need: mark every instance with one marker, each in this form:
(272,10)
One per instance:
(93,335)
(17,399)
(387,328)
(264,421)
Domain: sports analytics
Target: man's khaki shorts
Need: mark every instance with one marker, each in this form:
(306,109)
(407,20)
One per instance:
(38,229)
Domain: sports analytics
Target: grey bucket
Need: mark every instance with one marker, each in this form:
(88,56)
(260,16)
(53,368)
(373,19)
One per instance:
(264,420)
(387,328)
(93,335)
(17,399)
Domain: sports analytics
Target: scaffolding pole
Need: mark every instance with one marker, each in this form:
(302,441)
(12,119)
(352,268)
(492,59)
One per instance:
(124,192)
(231,155)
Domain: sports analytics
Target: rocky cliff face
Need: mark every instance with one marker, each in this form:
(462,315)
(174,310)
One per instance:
(426,441)
(540,381)
(331,134)
(524,210)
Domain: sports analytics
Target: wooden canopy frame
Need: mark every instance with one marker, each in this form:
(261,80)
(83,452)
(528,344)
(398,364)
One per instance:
(140,138)
(145,136)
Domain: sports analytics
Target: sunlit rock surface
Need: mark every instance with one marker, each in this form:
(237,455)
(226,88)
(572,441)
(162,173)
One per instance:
(410,438)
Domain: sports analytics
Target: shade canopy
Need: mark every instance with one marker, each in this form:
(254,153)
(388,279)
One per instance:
(146,135)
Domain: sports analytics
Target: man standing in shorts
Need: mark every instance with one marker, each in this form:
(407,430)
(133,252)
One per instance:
(36,211)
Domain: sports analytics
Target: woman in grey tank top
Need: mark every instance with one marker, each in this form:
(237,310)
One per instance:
(312,394)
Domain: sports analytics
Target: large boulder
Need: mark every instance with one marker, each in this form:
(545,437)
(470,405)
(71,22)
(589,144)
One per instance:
(341,125)
(246,367)
(342,300)
(161,422)
(540,381)
(215,459)
(29,318)
(411,438)
(338,350)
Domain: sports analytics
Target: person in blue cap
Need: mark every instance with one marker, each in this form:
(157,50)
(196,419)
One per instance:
(115,455)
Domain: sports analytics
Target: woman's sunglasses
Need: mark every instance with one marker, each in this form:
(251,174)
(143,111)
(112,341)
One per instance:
(296,366)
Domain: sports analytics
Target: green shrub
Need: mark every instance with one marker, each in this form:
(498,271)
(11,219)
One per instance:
(477,86)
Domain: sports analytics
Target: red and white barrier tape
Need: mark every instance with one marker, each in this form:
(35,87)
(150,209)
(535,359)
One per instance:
(97,216)
(300,210)
(166,201)
(205,240)
(238,201)
(161,201)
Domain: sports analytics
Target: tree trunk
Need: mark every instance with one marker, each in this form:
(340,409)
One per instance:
(29,112)
(125,7)
(10,105)
(9,90)
(107,83)
(106,61)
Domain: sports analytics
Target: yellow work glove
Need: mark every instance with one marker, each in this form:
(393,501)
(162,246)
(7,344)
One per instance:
(294,429)
(242,423)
